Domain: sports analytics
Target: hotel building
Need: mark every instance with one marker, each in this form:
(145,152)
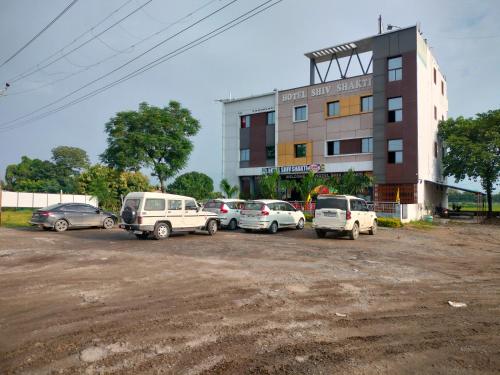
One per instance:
(378,115)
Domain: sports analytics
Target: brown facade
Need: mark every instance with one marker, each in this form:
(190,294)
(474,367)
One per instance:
(407,130)
(388,193)
(256,138)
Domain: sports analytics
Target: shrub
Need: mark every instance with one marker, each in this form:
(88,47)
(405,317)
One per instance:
(309,217)
(389,222)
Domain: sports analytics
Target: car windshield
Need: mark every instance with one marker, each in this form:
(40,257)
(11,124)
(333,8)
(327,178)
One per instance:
(212,204)
(51,207)
(132,203)
(341,204)
(253,206)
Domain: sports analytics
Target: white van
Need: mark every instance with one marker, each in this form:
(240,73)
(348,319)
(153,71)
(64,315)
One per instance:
(343,214)
(267,214)
(158,214)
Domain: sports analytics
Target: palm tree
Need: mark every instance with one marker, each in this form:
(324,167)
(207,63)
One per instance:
(350,183)
(307,183)
(229,191)
(269,185)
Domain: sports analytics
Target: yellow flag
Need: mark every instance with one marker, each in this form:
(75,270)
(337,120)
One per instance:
(397,196)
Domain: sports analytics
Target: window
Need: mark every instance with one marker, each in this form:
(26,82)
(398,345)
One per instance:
(435,113)
(367,104)
(331,202)
(300,150)
(395,106)
(270,118)
(245,154)
(190,205)
(442,87)
(358,205)
(366,145)
(332,148)
(332,109)
(435,76)
(245,121)
(300,113)
(133,203)
(395,151)
(435,149)
(175,205)
(154,204)
(395,68)
(269,152)
(83,208)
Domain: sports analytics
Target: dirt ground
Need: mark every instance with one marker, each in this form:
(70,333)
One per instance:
(103,302)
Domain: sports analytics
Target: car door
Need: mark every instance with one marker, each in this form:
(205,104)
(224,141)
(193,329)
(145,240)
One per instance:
(92,216)
(175,213)
(366,214)
(191,217)
(281,214)
(358,212)
(293,214)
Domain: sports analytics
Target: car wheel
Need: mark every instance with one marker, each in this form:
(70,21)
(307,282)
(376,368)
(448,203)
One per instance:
(232,224)
(162,231)
(142,236)
(354,233)
(320,233)
(373,229)
(108,223)
(60,225)
(300,224)
(273,228)
(212,227)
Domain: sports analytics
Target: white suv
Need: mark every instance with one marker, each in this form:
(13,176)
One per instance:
(228,211)
(343,214)
(159,215)
(270,215)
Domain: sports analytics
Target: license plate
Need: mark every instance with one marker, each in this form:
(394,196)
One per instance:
(330,214)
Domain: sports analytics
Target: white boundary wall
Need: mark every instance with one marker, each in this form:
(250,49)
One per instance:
(38,200)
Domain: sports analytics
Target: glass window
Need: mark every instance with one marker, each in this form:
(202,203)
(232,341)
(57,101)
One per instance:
(154,204)
(190,205)
(253,206)
(289,207)
(245,154)
(367,104)
(367,145)
(395,151)
(356,205)
(333,109)
(270,118)
(435,113)
(175,204)
(83,208)
(300,150)
(269,152)
(395,106)
(212,204)
(300,113)
(332,148)
(395,68)
(435,76)
(133,203)
(339,203)
(245,121)
(442,87)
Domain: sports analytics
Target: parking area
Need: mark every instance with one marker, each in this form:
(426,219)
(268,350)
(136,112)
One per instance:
(97,301)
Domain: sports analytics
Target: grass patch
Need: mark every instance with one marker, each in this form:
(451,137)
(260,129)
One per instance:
(468,206)
(421,224)
(14,219)
(389,222)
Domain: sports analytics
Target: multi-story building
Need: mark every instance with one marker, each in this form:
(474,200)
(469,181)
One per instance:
(381,120)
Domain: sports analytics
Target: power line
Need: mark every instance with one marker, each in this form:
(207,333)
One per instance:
(130,47)
(21,75)
(123,65)
(231,24)
(82,44)
(39,33)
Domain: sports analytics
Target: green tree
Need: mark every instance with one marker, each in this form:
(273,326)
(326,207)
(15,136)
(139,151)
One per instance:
(307,183)
(32,175)
(109,185)
(69,163)
(228,190)
(350,183)
(269,185)
(193,184)
(151,137)
(473,149)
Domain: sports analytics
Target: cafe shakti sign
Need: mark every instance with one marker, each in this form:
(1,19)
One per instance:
(290,169)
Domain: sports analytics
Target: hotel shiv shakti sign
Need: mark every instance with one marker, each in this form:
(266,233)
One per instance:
(286,169)
(334,88)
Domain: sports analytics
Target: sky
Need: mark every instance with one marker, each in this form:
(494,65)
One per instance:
(257,56)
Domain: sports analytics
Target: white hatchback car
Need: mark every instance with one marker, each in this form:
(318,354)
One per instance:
(270,215)
(343,214)
(158,215)
(228,211)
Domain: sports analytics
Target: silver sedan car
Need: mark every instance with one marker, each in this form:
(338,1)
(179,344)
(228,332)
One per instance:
(62,216)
